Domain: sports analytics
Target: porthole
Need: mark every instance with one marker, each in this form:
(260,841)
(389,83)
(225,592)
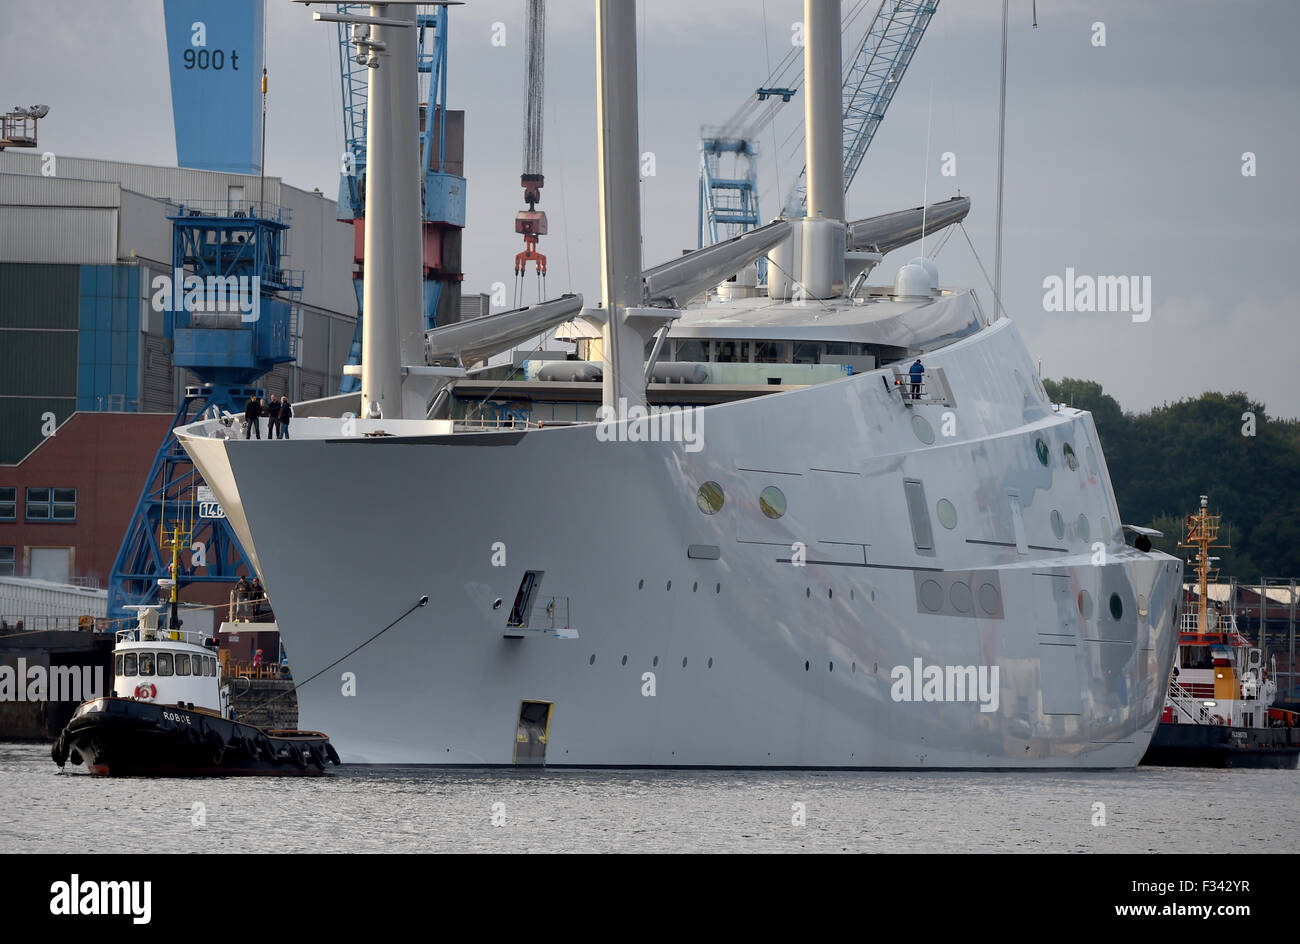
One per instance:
(624,660)
(932,596)
(947,513)
(710,498)
(670,585)
(805,665)
(830,593)
(640,584)
(960,596)
(717,588)
(655,662)
(922,428)
(1085,530)
(496,604)
(830,666)
(695,587)
(772,501)
(1040,447)
(807,592)
(1085,604)
(710,662)
(683,662)
(1058,525)
(1071,459)
(592,660)
(1116,606)
(990,599)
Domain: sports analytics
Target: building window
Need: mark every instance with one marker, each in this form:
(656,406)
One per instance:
(51,504)
(6,561)
(8,503)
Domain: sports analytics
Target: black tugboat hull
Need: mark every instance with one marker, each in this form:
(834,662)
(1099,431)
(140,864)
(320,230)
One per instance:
(1214,745)
(127,738)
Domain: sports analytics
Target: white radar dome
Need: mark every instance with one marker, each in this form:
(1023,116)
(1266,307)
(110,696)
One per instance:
(912,281)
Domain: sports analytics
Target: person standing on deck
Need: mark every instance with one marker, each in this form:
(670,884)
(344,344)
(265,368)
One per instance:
(917,373)
(252,422)
(273,418)
(286,414)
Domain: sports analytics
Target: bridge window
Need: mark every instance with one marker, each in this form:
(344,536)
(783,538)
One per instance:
(691,351)
(771,352)
(146,663)
(164,663)
(182,663)
(806,352)
(731,352)
(129,664)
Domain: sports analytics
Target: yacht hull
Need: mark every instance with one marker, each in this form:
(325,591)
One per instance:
(731,639)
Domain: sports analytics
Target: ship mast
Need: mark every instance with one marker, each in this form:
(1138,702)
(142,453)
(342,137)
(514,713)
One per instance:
(1202,532)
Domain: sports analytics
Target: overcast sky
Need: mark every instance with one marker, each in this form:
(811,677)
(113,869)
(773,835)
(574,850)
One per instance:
(1122,160)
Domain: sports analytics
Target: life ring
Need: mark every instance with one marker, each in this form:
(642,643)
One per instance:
(146,692)
(1218,719)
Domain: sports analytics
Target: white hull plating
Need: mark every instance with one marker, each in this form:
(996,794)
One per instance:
(756,662)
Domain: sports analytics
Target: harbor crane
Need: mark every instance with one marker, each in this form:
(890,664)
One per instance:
(531,223)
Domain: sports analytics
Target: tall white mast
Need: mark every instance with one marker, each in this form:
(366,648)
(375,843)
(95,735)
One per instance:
(392,332)
(823,118)
(620,211)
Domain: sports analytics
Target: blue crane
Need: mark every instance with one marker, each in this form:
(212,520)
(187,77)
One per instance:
(443,215)
(728,201)
(231,313)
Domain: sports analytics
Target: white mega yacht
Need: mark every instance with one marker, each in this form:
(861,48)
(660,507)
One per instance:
(736,528)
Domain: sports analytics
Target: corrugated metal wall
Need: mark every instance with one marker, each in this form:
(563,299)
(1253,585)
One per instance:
(58,234)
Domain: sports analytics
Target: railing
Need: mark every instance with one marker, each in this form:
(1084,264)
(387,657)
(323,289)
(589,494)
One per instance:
(237,209)
(1187,703)
(257,670)
(159,634)
(40,622)
(1227,622)
(249,610)
(510,422)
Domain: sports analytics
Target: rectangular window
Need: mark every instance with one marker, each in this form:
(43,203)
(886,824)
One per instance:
(146,663)
(8,503)
(128,664)
(164,663)
(51,504)
(117,664)
(806,352)
(182,663)
(7,561)
(691,351)
(770,352)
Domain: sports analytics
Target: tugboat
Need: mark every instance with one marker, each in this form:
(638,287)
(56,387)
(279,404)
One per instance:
(169,714)
(1219,711)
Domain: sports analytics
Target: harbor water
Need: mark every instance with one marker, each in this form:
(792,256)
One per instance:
(428,809)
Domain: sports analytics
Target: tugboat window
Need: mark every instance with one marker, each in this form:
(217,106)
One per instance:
(182,663)
(164,663)
(212,666)
(117,665)
(129,664)
(146,663)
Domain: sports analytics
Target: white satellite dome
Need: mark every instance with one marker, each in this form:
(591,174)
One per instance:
(930,267)
(912,281)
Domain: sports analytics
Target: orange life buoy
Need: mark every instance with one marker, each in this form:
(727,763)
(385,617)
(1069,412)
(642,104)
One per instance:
(146,692)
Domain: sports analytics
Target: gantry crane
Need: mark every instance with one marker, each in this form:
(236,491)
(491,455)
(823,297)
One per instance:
(531,223)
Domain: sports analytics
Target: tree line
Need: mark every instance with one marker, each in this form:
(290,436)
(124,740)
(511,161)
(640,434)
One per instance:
(1225,446)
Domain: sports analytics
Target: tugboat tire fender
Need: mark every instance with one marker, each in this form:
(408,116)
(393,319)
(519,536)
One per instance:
(332,754)
(295,754)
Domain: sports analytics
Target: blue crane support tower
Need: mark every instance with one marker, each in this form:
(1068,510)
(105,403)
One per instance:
(872,77)
(231,315)
(443,214)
